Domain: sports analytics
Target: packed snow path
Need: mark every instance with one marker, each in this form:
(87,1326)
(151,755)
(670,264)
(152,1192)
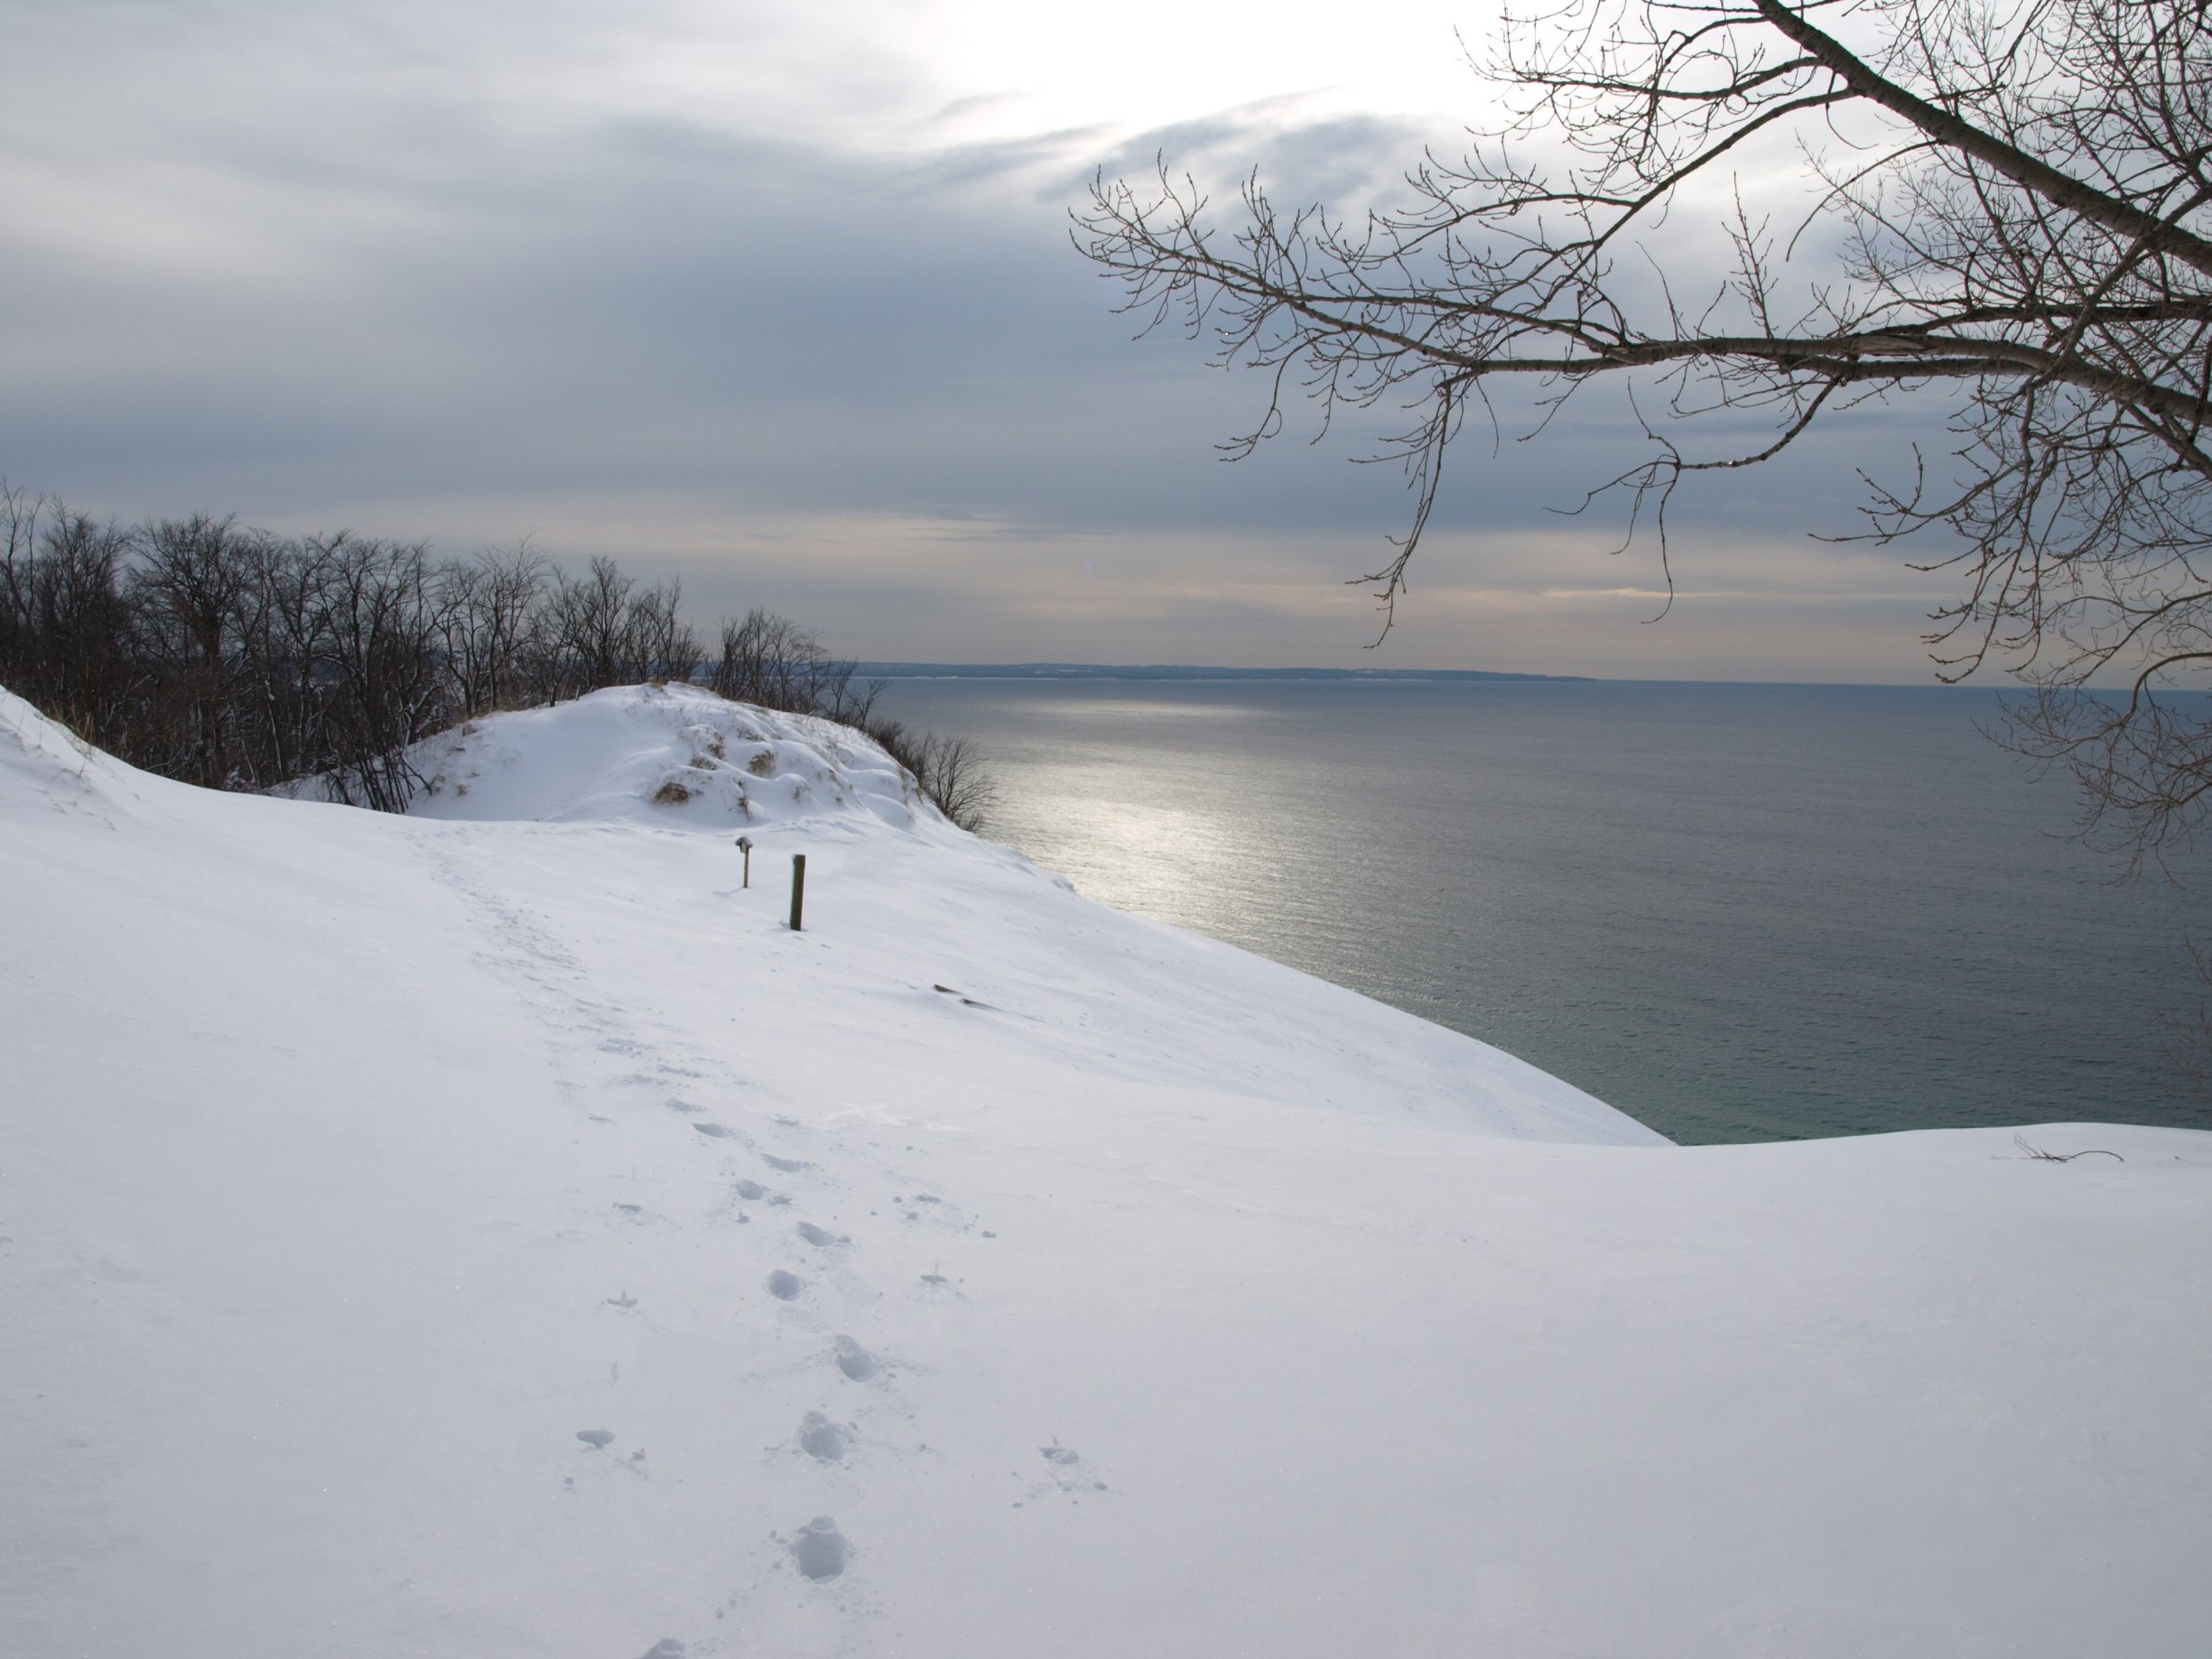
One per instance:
(493,1233)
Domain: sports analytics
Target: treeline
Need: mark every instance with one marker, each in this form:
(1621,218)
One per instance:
(239,659)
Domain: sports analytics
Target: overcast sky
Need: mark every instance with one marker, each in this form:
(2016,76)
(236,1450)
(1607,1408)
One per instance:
(787,305)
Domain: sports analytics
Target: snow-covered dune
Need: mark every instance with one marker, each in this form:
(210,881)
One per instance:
(627,755)
(494,1233)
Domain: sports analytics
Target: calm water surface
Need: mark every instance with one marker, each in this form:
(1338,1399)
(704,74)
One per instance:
(1736,912)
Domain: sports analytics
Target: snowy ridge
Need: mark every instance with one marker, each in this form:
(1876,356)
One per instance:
(493,1233)
(647,753)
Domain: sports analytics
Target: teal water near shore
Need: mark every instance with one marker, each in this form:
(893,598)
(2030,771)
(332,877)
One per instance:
(1738,913)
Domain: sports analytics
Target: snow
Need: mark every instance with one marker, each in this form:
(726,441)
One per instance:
(492,1232)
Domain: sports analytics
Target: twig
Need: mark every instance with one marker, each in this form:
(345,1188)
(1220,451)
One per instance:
(2038,1152)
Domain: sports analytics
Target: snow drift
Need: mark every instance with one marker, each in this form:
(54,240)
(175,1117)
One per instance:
(629,756)
(493,1233)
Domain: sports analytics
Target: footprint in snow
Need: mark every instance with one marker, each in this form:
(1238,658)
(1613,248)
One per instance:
(821,1238)
(598,1440)
(789,1165)
(855,1361)
(820,1439)
(784,1287)
(1068,1473)
(713,1131)
(667,1647)
(820,1550)
(754,1191)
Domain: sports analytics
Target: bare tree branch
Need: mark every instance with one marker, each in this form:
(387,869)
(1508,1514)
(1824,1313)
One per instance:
(2023,196)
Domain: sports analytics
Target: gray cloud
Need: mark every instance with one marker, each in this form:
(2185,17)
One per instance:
(313,277)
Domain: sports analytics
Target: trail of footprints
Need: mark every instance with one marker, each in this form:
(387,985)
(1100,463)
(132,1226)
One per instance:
(595,1037)
(818,1550)
(598,1044)
(601,1041)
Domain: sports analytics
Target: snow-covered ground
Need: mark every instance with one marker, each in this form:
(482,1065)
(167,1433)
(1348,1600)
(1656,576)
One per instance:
(494,1233)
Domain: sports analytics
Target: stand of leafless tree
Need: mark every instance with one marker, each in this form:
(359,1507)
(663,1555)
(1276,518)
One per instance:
(236,659)
(771,660)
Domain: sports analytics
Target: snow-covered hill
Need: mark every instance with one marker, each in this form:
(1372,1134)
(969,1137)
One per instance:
(493,1233)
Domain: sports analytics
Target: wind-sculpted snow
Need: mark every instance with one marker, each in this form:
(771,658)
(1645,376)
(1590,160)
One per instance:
(667,755)
(501,1238)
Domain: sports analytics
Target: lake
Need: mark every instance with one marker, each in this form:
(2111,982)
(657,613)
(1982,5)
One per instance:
(1738,913)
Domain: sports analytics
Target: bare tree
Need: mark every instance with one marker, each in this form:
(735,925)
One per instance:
(388,691)
(187,584)
(283,684)
(2021,201)
(588,620)
(658,644)
(69,640)
(771,660)
(758,654)
(19,552)
(487,611)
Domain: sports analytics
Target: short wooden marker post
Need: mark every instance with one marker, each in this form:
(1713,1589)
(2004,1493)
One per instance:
(744,845)
(798,888)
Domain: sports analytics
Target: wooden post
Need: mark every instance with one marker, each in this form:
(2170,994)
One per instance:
(798,888)
(744,845)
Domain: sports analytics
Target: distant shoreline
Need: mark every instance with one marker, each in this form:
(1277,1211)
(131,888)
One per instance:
(1176,671)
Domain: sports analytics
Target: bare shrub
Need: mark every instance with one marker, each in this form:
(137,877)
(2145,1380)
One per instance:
(949,771)
(770,661)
